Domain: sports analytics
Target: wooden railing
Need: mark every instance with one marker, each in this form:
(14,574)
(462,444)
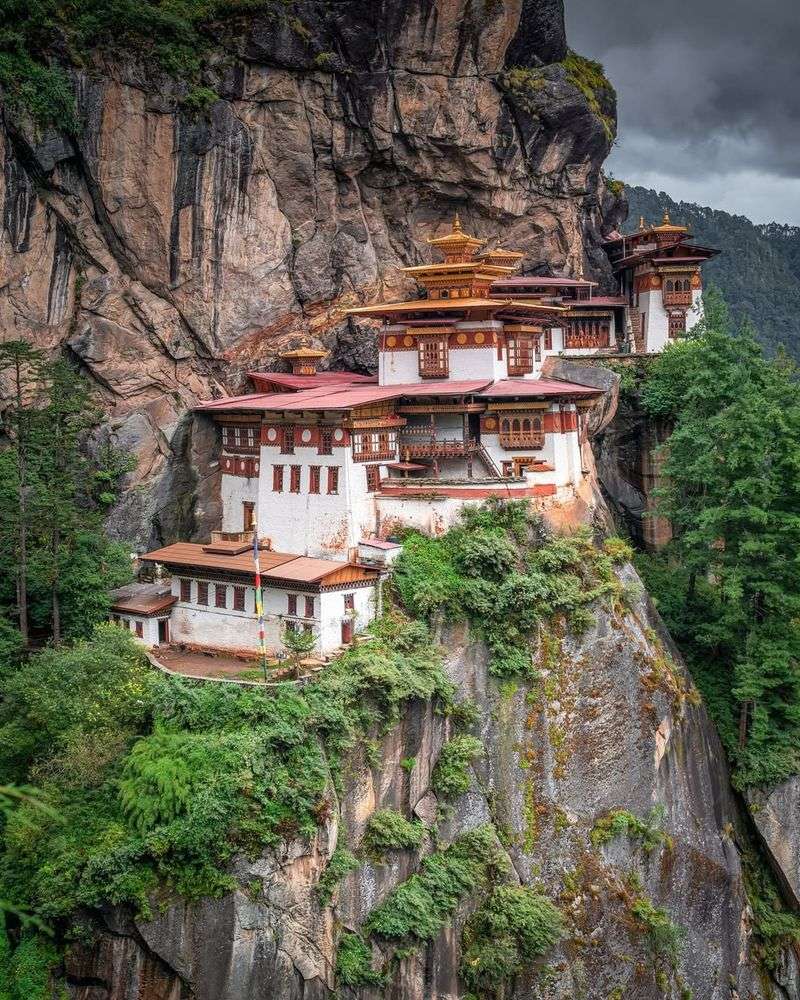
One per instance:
(677,298)
(513,440)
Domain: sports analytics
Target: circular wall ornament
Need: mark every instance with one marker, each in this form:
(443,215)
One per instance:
(408,341)
(338,434)
(391,341)
(272,434)
(479,337)
(461,338)
(305,437)
(490,423)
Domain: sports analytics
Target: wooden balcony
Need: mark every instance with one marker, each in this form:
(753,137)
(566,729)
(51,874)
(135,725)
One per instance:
(382,455)
(512,441)
(677,298)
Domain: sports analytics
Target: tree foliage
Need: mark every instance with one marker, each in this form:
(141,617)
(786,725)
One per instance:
(154,780)
(732,464)
(499,570)
(56,565)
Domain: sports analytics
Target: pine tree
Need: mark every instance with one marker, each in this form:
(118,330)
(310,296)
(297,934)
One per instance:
(733,467)
(53,498)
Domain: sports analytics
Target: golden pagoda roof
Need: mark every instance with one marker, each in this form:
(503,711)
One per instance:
(304,352)
(456,237)
(451,305)
(668,227)
(501,253)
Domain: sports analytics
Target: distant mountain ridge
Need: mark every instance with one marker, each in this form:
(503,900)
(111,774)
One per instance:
(758,270)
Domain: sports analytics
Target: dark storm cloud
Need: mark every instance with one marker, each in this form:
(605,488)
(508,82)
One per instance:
(709,94)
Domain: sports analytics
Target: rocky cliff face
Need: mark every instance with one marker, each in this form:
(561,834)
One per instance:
(171,252)
(612,724)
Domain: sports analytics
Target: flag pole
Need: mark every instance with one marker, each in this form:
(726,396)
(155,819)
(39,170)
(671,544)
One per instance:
(262,648)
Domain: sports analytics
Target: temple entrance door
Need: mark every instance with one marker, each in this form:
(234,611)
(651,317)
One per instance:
(163,631)
(474,426)
(347,631)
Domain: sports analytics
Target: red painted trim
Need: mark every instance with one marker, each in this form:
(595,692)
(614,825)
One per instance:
(466,492)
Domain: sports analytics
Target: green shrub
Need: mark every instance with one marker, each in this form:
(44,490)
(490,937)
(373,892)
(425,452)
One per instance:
(514,926)
(590,79)
(620,823)
(341,863)
(497,570)
(388,830)
(354,963)
(663,935)
(451,773)
(419,907)
(157,781)
(26,971)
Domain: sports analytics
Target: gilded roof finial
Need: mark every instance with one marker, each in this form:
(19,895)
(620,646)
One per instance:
(641,223)
(456,223)
(665,221)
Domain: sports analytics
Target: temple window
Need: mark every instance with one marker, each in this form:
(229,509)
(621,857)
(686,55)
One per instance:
(287,440)
(202,592)
(433,357)
(313,478)
(240,438)
(294,479)
(520,355)
(373,478)
(326,441)
(248,515)
(291,604)
(139,630)
(277,479)
(238,598)
(220,595)
(677,324)
(333,479)
(309,607)
(186,590)
(349,602)
(521,432)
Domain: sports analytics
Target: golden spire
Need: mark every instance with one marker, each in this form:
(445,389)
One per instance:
(456,223)
(641,223)
(665,221)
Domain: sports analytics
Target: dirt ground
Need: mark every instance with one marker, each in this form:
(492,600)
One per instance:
(198,664)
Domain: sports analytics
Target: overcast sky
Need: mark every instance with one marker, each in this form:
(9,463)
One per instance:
(709,97)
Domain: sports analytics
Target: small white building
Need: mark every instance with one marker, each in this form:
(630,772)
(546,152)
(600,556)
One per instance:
(212,602)
(145,609)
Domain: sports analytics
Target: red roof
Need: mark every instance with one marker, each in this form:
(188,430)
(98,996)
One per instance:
(536,387)
(321,379)
(341,397)
(380,543)
(598,300)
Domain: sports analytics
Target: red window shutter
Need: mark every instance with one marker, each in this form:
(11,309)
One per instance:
(291,604)
(333,479)
(139,629)
(326,441)
(288,440)
(277,478)
(202,592)
(186,590)
(313,478)
(294,480)
(349,602)
(221,595)
(238,598)
(309,607)
(373,478)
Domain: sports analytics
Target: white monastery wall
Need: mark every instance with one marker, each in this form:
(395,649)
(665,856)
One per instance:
(656,322)
(234,491)
(695,312)
(332,612)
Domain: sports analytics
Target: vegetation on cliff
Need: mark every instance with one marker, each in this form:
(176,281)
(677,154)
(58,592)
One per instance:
(155,781)
(39,38)
(499,570)
(729,585)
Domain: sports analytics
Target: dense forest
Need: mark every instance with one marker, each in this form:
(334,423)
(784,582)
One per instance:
(758,270)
